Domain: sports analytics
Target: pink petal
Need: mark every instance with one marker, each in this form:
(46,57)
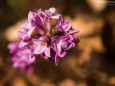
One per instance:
(22,44)
(25,26)
(64,44)
(73,32)
(13,47)
(30,16)
(47,52)
(32,59)
(29,33)
(56,16)
(67,26)
(26,50)
(61,21)
(58,47)
(62,54)
(39,50)
(35,41)
(52,10)
(48,26)
(22,34)
(56,60)
(70,46)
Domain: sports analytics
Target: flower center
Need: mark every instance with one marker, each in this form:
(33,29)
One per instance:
(54,31)
(43,44)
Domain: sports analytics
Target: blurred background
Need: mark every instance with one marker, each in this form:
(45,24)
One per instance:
(91,64)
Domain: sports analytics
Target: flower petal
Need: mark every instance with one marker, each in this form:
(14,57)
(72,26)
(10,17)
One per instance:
(47,52)
(56,16)
(25,50)
(25,26)
(66,26)
(22,44)
(73,32)
(29,33)
(58,48)
(30,17)
(39,50)
(62,54)
(52,10)
(22,34)
(60,21)
(56,60)
(13,47)
(31,58)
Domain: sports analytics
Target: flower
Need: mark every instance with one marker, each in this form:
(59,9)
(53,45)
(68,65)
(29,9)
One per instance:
(40,37)
(21,59)
(62,44)
(42,47)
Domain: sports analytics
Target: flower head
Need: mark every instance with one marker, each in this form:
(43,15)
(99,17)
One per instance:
(40,37)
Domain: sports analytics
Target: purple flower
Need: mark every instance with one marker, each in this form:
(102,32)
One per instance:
(21,58)
(41,47)
(62,44)
(40,37)
(49,15)
(35,21)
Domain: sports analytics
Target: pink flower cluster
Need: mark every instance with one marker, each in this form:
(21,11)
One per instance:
(39,36)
